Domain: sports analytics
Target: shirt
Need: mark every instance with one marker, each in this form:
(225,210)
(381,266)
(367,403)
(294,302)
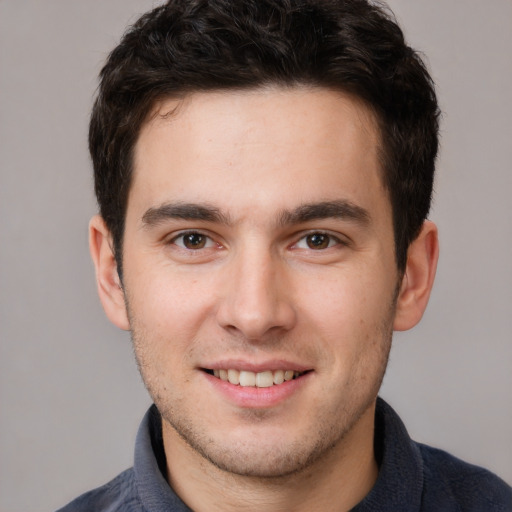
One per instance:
(412,477)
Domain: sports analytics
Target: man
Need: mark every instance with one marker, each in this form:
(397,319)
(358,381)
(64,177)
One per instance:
(264,172)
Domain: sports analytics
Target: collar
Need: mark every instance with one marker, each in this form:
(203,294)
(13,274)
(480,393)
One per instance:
(150,467)
(400,479)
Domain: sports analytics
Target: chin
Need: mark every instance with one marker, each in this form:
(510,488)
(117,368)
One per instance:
(267,462)
(261,452)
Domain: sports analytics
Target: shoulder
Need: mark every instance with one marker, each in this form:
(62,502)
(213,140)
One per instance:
(116,495)
(448,479)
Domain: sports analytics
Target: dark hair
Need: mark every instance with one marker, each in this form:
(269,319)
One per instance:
(187,46)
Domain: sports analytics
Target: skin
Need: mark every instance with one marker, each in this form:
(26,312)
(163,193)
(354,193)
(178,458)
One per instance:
(297,272)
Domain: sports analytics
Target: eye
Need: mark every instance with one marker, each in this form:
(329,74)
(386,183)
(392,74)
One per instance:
(193,240)
(317,241)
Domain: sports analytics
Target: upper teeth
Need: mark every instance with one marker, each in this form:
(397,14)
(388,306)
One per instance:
(260,379)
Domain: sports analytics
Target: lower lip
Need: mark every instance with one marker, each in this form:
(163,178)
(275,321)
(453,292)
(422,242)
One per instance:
(251,397)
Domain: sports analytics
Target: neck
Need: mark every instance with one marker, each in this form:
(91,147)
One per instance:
(339,480)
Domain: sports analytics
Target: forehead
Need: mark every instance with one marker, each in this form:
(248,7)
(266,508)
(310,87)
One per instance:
(265,148)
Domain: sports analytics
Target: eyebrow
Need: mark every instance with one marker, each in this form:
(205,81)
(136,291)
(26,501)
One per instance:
(184,211)
(339,209)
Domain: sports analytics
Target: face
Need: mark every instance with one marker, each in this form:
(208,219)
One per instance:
(259,274)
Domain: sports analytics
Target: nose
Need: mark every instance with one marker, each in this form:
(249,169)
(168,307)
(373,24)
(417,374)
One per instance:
(256,296)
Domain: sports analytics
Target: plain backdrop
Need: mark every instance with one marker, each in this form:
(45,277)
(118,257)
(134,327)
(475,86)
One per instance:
(70,395)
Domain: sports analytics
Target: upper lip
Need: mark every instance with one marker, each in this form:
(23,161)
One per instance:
(244,365)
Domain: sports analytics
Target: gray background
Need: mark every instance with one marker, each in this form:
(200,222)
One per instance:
(70,395)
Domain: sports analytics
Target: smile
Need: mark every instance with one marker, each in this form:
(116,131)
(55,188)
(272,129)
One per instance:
(264,379)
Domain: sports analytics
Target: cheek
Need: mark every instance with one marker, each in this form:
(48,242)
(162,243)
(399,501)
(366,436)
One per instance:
(349,311)
(167,311)
(335,298)
(166,294)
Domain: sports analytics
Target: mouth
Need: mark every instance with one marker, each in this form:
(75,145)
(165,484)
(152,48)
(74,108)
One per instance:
(265,379)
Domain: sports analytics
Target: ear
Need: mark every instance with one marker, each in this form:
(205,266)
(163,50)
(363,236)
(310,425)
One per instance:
(418,278)
(108,282)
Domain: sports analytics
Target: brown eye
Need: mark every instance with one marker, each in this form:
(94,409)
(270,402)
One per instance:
(318,241)
(193,241)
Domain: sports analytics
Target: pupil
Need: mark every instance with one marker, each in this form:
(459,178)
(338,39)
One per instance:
(318,241)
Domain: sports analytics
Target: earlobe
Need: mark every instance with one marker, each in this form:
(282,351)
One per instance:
(418,278)
(108,283)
